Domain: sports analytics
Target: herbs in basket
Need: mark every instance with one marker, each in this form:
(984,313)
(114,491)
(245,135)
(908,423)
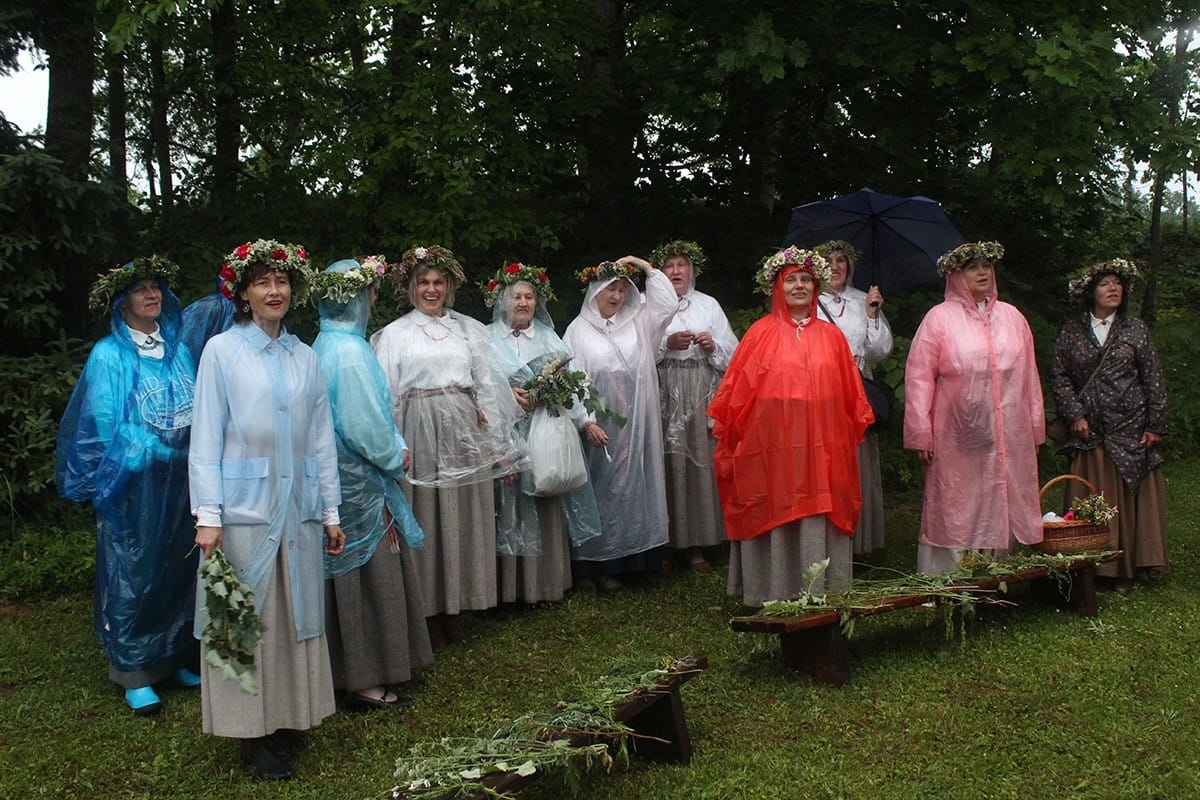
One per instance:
(557,387)
(233,629)
(1094,509)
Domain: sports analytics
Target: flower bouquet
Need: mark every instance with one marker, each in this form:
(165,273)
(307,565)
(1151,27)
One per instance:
(233,630)
(557,387)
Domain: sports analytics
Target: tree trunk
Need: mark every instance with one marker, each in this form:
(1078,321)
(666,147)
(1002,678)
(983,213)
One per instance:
(67,38)
(227,126)
(1150,295)
(117,111)
(160,133)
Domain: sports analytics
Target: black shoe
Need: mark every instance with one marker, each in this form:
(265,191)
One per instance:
(269,766)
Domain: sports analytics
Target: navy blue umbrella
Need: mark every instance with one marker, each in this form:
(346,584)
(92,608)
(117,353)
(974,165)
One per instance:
(900,238)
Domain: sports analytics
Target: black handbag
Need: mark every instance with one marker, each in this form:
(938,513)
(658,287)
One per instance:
(881,402)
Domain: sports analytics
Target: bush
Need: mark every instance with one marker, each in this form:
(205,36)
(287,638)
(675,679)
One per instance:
(49,558)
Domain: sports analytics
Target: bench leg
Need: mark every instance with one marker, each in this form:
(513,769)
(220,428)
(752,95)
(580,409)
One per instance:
(1078,594)
(821,653)
(663,719)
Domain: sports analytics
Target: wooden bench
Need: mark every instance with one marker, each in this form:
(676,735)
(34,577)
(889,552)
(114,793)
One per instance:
(814,644)
(656,717)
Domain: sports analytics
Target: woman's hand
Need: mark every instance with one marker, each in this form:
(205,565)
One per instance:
(522,398)
(336,540)
(1081,430)
(595,435)
(926,456)
(1151,439)
(407,460)
(705,340)
(207,538)
(680,340)
(874,301)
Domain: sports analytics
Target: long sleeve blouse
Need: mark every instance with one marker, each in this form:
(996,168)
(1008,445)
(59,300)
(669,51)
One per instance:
(870,340)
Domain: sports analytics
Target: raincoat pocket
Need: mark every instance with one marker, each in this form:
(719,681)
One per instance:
(310,490)
(245,489)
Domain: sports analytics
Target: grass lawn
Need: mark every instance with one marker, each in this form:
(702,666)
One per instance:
(1034,703)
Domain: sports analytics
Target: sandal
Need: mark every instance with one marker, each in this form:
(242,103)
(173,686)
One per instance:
(389,699)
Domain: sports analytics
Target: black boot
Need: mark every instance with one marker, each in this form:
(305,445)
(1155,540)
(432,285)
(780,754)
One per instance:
(265,761)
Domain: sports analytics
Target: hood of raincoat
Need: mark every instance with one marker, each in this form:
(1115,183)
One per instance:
(958,292)
(779,306)
(627,312)
(351,316)
(169,319)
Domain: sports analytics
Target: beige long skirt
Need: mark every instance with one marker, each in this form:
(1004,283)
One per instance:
(693,505)
(868,534)
(1139,530)
(771,566)
(375,621)
(457,566)
(545,577)
(294,678)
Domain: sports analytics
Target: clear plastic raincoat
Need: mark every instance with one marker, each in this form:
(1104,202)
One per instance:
(973,398)
(618,356)
(122,446)
(370,448)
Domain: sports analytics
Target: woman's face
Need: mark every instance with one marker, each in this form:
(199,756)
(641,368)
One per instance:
(798,289)
(981,278)
(269,296)
(143,305)
(839,267)
(1107,296)
(431,290)
(524,303)
(679,270)
(610,299)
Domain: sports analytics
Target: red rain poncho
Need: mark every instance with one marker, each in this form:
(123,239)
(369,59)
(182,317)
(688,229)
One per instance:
(973,398)
(789,416)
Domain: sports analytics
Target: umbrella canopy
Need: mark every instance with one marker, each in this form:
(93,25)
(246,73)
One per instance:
(900,238)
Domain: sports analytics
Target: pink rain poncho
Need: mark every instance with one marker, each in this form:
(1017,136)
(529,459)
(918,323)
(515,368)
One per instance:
(973,398)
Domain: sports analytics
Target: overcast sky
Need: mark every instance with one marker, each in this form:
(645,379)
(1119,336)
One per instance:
(23,96)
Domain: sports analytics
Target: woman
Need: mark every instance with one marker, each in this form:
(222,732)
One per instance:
(614,340)
(1108,383)
(973,412)
(788,418)
(264,486)
(535,533)
(374,608)
(122,446)
(692,357)
(858,316)
(457,411)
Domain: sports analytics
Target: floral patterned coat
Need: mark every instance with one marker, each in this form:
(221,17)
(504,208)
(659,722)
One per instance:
(1127,397)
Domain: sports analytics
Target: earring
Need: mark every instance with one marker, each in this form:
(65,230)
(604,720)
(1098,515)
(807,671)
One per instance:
(245,308)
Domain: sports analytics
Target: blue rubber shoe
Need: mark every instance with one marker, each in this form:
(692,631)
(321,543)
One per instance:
(143,700)
(186,678)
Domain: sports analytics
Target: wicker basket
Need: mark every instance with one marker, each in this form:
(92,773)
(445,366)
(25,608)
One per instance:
(1073,535)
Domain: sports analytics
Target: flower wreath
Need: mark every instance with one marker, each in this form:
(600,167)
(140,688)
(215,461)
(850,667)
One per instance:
(604,271)
(1078,285)
(834,245)
(118,279)
(515,273)
(434,256)
(964,254)
(341,287)
(291,258)
(791,255)
(680,247)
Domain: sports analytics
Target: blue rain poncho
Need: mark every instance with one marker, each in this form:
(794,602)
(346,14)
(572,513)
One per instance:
(517,527)
(204,319)
(369,446)
(122,446)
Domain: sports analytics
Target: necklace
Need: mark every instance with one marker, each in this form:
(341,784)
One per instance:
(149,344)
(438,322)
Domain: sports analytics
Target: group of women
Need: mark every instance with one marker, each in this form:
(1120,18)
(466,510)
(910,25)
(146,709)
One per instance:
(369,492)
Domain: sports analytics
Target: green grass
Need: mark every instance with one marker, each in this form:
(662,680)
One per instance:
(1035,703)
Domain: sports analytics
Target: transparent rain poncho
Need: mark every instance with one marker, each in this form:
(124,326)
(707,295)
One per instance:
(973,398)
(204,319)
(627,476)
(517,526)
(449,395)
(370,448)
(123,446)
(689,378)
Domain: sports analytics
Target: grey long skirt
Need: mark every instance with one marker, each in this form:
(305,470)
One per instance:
(375,621)
(546,577)
(294,678)
(868,534)
(771,566)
